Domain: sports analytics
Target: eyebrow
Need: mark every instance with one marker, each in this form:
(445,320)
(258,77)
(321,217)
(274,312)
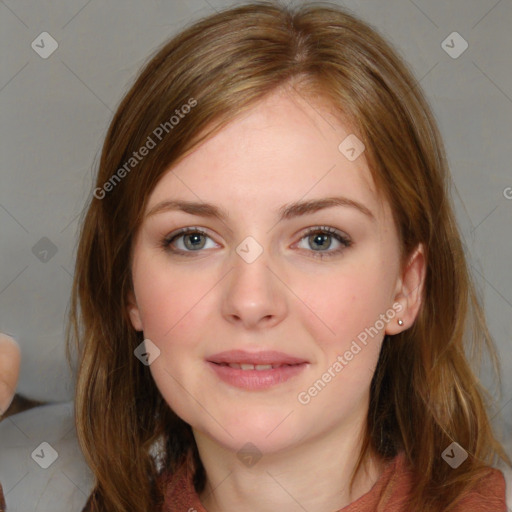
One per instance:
(285,212)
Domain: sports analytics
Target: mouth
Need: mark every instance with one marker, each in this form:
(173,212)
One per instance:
(263,358)
(257,370)
(249,366)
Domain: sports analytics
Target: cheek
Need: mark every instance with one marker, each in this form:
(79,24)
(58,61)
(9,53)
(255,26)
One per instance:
(167,298)
(341,305)
(343,317)
(174,306)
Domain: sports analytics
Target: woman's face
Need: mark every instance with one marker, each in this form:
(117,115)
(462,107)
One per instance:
(255,283)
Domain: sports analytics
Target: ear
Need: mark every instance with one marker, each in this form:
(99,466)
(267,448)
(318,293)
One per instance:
(409,292)
(134,312)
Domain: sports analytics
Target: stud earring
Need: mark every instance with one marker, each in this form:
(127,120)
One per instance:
(400,321)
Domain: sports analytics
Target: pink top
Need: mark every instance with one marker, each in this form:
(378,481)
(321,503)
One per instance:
(388,494)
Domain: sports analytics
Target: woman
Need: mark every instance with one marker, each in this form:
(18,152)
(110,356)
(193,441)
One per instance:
(232,357)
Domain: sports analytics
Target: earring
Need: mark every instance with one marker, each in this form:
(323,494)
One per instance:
(400,321)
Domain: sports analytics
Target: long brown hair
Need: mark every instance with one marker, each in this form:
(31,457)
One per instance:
(424,395)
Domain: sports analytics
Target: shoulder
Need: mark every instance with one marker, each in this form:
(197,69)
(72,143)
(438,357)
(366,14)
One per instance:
(488,495)
(178,491)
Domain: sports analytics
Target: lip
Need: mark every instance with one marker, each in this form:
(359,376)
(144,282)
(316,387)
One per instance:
(264,357)
(254,380)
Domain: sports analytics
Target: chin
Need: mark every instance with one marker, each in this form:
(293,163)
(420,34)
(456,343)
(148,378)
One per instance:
(267,432)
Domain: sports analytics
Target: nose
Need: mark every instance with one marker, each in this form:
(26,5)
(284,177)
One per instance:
(254,294)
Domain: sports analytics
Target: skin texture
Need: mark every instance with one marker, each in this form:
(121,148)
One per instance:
(10,357)
(284,150)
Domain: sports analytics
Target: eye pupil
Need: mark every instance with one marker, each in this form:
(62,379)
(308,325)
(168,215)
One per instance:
(323,238)
(196,237)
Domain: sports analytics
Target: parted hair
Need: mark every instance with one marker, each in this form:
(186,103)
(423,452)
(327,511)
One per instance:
(425,393)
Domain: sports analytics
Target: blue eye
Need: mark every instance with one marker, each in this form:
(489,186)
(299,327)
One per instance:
(318,236)
(187,234)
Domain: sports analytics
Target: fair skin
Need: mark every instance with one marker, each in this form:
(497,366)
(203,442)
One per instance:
(10,358)
(282,151)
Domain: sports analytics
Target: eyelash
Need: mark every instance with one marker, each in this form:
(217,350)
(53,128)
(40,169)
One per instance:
(346,242)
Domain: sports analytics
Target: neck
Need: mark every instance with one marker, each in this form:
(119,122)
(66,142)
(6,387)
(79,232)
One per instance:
(312,476)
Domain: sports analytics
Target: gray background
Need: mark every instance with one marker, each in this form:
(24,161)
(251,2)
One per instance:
(55,113)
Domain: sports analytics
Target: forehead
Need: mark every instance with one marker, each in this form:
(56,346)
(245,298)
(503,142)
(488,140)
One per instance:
(285,149)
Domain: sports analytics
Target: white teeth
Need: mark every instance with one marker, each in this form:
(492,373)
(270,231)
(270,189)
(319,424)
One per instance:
(237,366)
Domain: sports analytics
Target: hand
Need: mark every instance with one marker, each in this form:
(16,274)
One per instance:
(10,357)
